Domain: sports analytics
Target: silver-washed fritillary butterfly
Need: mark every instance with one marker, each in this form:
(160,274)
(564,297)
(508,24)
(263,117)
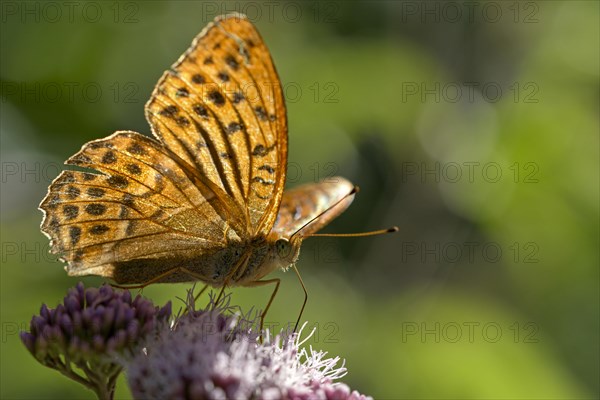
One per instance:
(203,199)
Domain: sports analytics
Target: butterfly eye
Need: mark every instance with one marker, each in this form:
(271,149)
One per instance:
(283,248)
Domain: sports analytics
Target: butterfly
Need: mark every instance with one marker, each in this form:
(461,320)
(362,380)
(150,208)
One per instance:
(203,200)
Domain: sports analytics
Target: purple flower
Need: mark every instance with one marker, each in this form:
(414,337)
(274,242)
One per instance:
(214,354)
(90,330)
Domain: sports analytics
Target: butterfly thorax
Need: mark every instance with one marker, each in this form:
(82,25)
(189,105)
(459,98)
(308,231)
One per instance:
(263,256)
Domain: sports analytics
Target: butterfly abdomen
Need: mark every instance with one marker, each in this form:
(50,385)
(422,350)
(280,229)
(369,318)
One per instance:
(231,265)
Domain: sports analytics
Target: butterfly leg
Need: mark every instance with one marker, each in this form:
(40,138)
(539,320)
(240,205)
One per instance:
(276,281)
(305,296)
(220,295)
(196,297)
(241,265)
(197,277)
(160,277)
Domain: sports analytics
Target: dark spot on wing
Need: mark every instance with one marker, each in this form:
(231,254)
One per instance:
(232,62)
(261,151)
(96,145)
(263,181)
(130,228)
(169,111)
(182,121)
(200,110)
(182,92)
(73,192)
(53,202)
(117,181)
(158,214)
(208,60)
(159,183)
(198,79)
(54,225)
(223,76)
(95,209)
(78,255)
(216,97)
(70,212)
(95,192)
(225,155)
(260,113)
(67,177)
(99,229)
(89,177)
(128,200)
(74,234)
(123,212)
(260,196)
(237,97)
(81,159)
(267,168)
(109,157)
(233,127)
(134,169)
(136,148)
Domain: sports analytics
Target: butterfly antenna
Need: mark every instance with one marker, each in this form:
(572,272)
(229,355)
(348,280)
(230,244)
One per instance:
(354,190)
(359,234)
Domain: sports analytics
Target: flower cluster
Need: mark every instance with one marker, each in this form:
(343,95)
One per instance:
(89,330)
(202,354)
(215,354)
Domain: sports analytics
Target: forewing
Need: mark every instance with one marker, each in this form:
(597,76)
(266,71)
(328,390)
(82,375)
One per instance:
(221,109)
(307,208)
(143,203)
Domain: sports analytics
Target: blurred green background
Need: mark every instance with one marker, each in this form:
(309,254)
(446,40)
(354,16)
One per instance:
(472,126)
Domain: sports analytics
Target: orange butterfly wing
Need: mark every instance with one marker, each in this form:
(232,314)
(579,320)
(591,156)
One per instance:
(301,206)
(221,108)
(143,203)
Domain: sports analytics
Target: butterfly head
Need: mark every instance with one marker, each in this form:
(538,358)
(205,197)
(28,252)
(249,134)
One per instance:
(288,251)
